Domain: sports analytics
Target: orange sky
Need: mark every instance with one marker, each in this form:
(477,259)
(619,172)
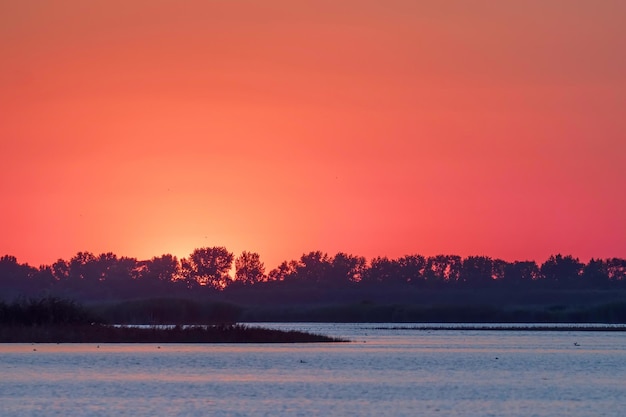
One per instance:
(277,126)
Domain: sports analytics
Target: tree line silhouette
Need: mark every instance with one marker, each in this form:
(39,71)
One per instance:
(208,269)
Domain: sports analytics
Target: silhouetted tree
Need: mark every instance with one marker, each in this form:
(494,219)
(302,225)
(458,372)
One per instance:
(109,268)
(44,279)
(160,269)
(104,266)
(188,274)
(564,270)
(11,272)
(382,270)
(15,278)
(61,271)
(345,269)
(283,272)
(210,266)
(249,269)
(596,274)
(616,268)
(442,269)
(83,268)
(498,269)
(118,276)
(521,272)
(477,271)
(312,267)
(411,269)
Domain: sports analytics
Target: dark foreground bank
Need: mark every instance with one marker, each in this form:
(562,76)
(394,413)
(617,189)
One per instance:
(101,333)
(55,320)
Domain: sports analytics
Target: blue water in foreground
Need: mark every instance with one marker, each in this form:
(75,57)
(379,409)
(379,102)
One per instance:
(382,372)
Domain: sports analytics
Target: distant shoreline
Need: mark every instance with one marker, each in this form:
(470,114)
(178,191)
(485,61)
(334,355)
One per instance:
(55,320)
(241,334)
(530,328)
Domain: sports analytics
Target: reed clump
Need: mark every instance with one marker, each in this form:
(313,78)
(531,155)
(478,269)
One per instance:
(54,320)
(100,333)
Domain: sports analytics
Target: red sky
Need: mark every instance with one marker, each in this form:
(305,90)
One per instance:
(375,128)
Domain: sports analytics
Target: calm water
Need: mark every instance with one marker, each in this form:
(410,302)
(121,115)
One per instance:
(392,372)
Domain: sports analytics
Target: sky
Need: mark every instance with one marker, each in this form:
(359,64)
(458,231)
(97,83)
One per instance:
(374,128)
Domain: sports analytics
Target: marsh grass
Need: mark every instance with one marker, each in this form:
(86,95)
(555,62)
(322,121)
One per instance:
(54,320)
(99,333)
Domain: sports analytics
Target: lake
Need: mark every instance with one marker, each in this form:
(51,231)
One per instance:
(384,371)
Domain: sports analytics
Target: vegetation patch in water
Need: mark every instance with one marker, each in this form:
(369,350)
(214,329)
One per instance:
(53,320)
(101,333)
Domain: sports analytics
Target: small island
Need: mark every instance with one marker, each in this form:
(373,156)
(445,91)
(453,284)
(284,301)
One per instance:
(102,333)
(53,320)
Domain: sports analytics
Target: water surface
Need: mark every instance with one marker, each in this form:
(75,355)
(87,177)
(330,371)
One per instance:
(383,371)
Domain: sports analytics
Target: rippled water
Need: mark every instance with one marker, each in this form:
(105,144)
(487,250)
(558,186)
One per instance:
(383,371)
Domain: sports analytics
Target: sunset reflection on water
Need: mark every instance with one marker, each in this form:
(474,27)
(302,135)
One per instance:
(382,372)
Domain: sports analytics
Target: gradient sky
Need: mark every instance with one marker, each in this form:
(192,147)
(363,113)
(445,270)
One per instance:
(371,127)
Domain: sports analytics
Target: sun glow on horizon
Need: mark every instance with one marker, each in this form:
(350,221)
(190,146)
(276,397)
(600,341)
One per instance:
(284,127)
